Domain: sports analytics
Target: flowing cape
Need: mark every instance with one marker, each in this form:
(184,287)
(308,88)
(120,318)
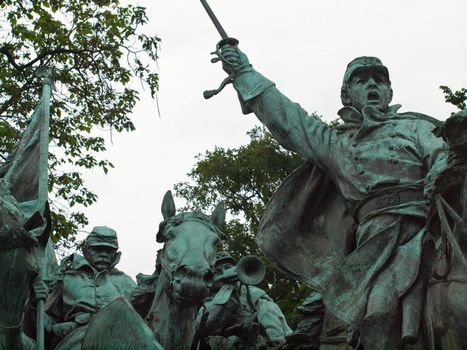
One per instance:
(307,229)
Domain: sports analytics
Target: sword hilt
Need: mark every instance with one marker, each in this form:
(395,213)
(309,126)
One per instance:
(210,93)
(227,41)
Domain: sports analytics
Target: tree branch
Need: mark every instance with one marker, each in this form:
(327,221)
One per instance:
(4,107)
(9,57)
(44,54)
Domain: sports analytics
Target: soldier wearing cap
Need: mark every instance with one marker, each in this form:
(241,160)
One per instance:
(84,285)
(241,314)
(382,164)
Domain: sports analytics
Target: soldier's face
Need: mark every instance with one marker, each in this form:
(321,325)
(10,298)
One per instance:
(370,89)
(100,257)
(219,270)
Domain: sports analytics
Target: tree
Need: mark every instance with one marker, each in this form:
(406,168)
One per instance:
(457,98)
(245,178)
(95,47)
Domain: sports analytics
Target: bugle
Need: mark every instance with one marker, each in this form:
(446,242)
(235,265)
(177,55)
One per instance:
(249,270)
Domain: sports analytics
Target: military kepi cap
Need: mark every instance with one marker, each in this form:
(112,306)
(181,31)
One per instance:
(102,236)
(364,64)
(224,257)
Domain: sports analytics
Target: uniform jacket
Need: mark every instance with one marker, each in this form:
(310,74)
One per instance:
(371,151)
(236,303)
(81,291)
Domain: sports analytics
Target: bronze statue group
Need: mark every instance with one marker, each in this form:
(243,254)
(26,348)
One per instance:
(373,222)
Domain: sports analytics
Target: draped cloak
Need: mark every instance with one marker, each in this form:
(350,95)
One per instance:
(308,230)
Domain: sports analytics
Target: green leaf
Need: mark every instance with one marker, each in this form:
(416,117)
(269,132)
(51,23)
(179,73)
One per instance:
(457,98)
(85,45)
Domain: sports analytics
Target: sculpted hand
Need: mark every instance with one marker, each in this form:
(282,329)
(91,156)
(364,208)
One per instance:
(62,329)
(234,60)
(40,289)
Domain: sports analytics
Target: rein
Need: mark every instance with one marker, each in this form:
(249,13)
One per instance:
(453,278)
(170,276)
(7,328)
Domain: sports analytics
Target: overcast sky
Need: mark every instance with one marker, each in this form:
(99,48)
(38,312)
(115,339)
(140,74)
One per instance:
(303,46)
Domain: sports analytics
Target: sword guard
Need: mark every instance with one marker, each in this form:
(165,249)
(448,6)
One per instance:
(210,93)
(227,41)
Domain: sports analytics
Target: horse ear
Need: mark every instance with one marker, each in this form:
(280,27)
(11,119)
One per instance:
(218,215)
(168,205)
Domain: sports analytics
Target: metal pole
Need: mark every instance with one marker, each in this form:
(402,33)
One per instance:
(43,192)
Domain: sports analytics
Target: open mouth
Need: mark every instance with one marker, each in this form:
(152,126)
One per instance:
(373,96)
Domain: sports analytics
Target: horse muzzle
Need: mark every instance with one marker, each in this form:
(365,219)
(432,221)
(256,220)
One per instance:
(191,285)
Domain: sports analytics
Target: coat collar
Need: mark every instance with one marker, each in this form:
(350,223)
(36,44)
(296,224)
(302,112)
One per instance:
(351,115)
(353,119)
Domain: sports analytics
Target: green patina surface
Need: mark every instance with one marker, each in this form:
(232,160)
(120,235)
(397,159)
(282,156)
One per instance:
(351,223)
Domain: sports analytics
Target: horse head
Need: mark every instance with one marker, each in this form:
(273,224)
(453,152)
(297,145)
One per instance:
(12,221)
(191,241)
(18,266)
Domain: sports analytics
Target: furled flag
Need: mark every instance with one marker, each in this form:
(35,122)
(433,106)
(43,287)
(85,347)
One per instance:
(24,174)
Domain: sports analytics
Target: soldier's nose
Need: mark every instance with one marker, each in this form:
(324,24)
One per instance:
(371,82)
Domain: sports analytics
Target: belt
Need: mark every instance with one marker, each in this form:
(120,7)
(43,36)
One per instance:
(385,199)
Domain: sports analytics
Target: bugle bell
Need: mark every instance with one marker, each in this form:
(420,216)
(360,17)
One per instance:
(249,270)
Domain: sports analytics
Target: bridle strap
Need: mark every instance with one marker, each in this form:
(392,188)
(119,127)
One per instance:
(165,267)
(11,327)
(449,278)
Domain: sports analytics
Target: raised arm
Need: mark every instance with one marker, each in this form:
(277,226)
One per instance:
(289,123)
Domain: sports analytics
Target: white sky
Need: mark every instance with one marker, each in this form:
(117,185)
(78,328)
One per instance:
(303,46)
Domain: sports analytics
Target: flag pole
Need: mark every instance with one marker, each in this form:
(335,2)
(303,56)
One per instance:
(45,73)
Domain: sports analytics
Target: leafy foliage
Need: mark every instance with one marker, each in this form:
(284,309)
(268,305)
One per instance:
(245,178)
(457,98)
(95,48)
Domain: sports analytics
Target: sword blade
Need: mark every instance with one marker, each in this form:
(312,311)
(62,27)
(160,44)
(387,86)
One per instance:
(214,20)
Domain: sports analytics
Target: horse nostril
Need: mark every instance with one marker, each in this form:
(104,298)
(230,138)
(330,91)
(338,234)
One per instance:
(194,277)
(209,278)
(181,272)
